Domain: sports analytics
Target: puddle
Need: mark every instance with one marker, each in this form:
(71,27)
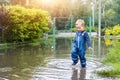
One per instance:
(52,63)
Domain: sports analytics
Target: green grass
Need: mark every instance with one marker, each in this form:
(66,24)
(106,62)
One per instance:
(113,59)
(115,72)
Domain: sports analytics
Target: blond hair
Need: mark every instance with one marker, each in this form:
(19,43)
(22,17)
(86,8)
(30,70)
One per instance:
(82,21)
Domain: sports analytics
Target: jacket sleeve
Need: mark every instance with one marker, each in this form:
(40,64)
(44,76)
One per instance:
(87,38)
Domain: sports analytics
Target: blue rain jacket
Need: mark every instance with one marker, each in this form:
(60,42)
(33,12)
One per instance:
(81,38)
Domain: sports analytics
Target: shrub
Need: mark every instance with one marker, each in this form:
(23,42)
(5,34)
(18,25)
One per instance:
(108,42)
(116,30)
(108,32)
(26,24)
(113,31)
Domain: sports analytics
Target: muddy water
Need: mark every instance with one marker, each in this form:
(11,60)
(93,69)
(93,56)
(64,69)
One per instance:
(51,62)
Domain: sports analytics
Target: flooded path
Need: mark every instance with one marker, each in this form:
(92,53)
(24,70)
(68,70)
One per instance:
(61,69)
(50,63)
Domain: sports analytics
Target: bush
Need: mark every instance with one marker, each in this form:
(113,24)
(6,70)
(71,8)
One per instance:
(74,29)
(108,42)
(26,24)
(113,31)
(116,30)
(108,32)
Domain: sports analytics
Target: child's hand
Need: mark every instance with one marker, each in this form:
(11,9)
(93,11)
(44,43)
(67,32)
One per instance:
(90,48)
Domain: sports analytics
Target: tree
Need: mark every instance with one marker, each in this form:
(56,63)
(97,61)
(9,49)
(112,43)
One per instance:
(110,12)
(4,2)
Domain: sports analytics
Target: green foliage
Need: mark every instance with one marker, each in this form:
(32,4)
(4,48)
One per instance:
(74,29)
(114,52)
(26,24)
(94,29)
(113,72)
(79,9)
(52,32)
(60,8)
(110,15)
(112,58)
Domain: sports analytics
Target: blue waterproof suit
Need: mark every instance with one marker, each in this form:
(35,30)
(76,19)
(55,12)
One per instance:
(79,47)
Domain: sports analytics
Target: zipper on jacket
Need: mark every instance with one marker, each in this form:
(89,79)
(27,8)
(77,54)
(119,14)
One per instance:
(78,41)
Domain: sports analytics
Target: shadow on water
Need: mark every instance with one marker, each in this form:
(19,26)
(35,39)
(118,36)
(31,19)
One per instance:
(50,63)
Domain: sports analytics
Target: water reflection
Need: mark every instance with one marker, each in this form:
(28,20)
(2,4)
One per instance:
(99,46)
(74,74)
(19,63)
(53,62)
(60,45)
(82,74)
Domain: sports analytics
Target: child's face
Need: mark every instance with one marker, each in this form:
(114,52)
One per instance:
(79,26)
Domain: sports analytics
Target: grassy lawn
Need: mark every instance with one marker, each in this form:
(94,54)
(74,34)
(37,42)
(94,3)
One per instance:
(113,59)
(115,72)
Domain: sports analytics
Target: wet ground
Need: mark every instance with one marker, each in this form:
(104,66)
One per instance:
(61,69)
(52,62)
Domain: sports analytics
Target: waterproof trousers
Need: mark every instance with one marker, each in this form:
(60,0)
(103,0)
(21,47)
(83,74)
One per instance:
(78,54)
